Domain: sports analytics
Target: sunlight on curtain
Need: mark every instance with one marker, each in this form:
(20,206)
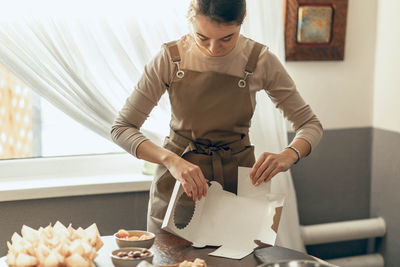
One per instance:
(86,59)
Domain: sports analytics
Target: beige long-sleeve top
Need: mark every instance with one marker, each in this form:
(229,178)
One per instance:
(269,75)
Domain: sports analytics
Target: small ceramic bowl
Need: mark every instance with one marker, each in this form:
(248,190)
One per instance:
(129,262)
(123,243)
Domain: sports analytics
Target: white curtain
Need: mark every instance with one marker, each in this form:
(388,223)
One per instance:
(86,65)
(264,23)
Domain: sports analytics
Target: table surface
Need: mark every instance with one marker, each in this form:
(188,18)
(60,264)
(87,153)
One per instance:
(169,249)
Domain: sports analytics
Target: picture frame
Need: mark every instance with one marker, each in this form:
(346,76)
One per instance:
(315,29)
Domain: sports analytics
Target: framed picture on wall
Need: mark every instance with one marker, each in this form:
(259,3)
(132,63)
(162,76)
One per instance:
(315,29)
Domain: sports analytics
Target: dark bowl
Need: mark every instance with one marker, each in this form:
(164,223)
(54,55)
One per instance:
(121,262)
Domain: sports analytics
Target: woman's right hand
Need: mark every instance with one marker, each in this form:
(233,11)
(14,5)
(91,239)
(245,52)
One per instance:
(190,175)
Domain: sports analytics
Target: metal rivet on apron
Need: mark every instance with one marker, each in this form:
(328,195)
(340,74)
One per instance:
(180,74)
(242,83)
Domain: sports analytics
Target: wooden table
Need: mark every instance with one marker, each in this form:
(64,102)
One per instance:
(170,249)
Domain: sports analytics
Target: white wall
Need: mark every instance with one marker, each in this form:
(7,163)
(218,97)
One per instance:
(341,92)
(387,73)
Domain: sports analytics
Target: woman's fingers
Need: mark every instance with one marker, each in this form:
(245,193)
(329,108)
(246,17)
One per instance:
(187,188)
(191,177)
(193,186)
(267,166)
(264,163)
(256,166)
(199,189)
(202,183)
(198,184)
(264,175)
(205,187)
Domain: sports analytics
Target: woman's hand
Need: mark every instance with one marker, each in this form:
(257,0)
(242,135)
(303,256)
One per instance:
(190,176)
(270,164)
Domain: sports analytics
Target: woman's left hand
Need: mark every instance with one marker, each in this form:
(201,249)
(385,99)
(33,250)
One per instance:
(270,164)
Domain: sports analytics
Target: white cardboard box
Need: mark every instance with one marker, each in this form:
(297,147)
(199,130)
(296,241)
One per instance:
(230,221)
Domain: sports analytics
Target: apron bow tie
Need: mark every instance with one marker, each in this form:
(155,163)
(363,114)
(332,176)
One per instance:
(207,149)
(224,163)
(219,153)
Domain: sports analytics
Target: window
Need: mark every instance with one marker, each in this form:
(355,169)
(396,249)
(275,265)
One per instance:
(31,127)
(39,142)
(16,114)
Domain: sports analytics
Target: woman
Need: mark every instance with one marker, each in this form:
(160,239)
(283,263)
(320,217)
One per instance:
(212,76)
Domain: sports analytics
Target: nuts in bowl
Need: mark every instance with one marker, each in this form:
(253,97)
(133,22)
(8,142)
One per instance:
(130,256)
(134,238)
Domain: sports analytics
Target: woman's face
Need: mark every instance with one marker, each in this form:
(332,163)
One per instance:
(214,39)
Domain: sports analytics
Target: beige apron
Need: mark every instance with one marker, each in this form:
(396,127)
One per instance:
(207,110)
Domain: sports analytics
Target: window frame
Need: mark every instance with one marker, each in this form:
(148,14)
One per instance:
(48,177)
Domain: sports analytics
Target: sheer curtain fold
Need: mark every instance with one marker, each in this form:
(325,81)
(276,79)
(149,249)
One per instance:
(87,68)
(264,23)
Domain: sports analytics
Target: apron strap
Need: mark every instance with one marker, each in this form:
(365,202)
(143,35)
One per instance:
(176,58)
(253,58)
(174,51)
